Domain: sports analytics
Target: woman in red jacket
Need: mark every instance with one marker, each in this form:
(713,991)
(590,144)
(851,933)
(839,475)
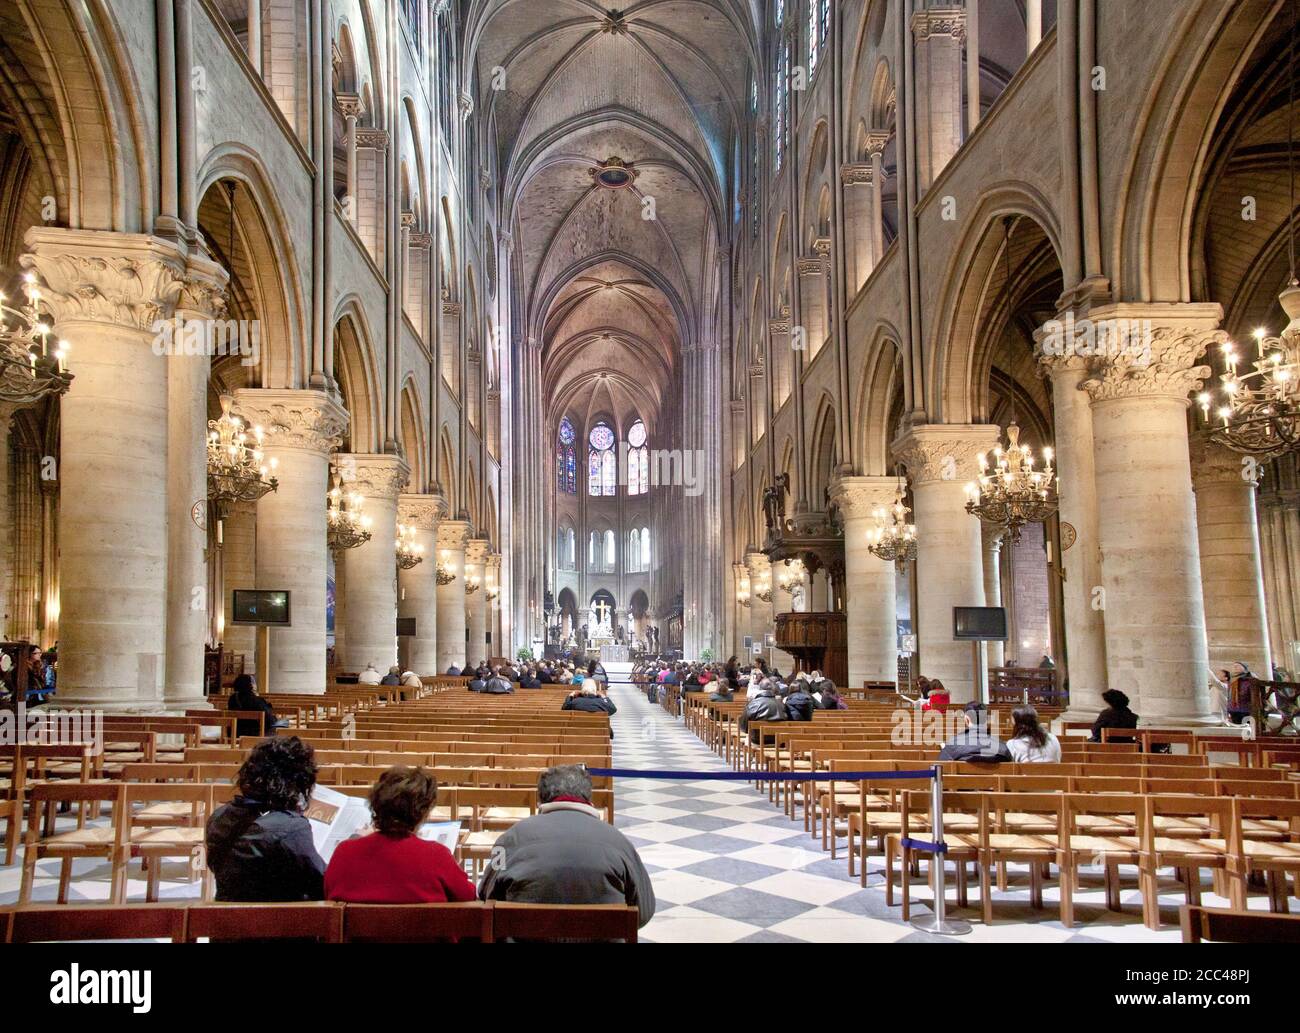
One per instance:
(393,865)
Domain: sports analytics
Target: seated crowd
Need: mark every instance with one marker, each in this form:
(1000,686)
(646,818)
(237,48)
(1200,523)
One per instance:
(260,845)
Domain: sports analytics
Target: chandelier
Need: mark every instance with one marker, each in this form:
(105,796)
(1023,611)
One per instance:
(493,591)
(410,553)
(742,593)
(444,575)
(1010,492)
(763,590)
(348,525)
(791,576)
(31,365)
(472,583)
(1257,411)
(236,470)
(893,539)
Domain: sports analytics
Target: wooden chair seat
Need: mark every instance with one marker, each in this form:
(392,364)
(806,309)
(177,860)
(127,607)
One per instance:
(484,839)
(511,814)
(1114,848)
(79,841)
(170,837)
(1261,851)
(1023,843)
(157,813)
(1205,852)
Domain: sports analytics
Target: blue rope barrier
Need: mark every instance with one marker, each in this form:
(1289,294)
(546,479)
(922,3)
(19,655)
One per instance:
(761,776)
(925,845)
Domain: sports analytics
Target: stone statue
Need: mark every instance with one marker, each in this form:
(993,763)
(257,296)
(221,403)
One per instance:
(774,502)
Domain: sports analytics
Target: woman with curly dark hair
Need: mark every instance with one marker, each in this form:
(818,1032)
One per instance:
(259,845)
(393,865)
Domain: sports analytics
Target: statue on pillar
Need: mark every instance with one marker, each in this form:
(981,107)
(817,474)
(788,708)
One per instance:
(774,502)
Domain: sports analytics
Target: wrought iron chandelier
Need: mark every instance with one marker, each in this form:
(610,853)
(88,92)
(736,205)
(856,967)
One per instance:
(763,590)
(1256,404)
(237,470)
(31,364)
(1010,492)
(348,525)
(742,593)
(893,539)
(444,575)
(410,553)
(472,583)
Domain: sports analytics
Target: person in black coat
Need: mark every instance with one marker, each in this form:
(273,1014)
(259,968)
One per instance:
(763,707)
(799,702)
(243,696)
(259,846)
(589,699)
(1116,715)
(976,743)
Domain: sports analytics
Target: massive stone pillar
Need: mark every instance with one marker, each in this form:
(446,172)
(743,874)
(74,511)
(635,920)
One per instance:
(1151,571)
(871,605)
(1279,534)
(417,588)
(497,644)
(476,554)
(991,539)
(452,536)
(370,584)
(106,291)
(1085,617)
(187,485)
(760,611)
(1231,571)
(812,286)
(302,428)
(6,521)
(941,460)
(860,255)
(939,33)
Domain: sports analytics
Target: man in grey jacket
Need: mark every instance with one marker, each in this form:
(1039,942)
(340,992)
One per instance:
(567,853)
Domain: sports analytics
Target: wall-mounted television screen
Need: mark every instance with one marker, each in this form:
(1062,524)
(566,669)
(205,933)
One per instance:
(260,606)
(986,623)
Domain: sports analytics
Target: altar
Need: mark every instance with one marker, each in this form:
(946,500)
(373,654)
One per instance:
(613,653)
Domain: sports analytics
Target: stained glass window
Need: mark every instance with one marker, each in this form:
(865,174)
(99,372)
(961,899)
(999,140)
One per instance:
(638,460)
(814,39)
(566,466)
(645,548)
(602,464)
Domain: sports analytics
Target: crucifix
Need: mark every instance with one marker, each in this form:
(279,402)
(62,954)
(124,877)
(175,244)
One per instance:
(601,609)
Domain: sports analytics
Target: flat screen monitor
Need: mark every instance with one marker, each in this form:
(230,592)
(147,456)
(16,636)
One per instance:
(406,627)
(979,623)
(260,606)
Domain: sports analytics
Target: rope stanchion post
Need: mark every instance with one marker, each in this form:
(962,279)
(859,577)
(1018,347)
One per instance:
(938,921)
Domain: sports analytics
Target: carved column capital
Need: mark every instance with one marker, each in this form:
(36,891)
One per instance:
(939,21)
(1150,351)
(477,550)
(1214,464)
(349,105)
(373,138)
(453,534)
(374,475)
(856,174)
(310,421)
(422,511)
(857,497)
(943,451)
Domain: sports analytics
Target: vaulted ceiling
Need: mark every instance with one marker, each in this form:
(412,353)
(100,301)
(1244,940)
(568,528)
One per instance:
(613,281)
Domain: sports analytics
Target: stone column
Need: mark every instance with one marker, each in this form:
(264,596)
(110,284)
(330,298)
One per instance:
(370,584)
(417,588)
(876,143)
(1085,615)
(476,554)
(1033,25)
(871,606)
(1151,571)
(497,645)
(6,521)
(760,612)
(991,540)
(812,285)
(200,303)
(255,34)
(941,460)
(452,536)
(860,255)
(302,428)
(740,583)
(106,291)
(349,105)
(939,33)
(1231,571)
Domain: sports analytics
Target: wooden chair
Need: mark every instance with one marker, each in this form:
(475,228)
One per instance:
(81,843)
(169,824)
(1024,828)
(1269,844)
(316,920)
(37,923)
(606,922)
(1211,835)
(1202,924)
(417,923)
(1111,842)
(964,844)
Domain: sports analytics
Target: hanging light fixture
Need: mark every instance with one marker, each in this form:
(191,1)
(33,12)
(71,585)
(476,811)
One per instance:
(472,583)
(410,553)
(237,469)
(742,593)
(31,359)
(348,525)
(444,574)
(1255,408)
(791,576)
(1010,492)
(763,590)
(893,539)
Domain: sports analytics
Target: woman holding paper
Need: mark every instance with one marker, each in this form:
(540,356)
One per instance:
(393,865)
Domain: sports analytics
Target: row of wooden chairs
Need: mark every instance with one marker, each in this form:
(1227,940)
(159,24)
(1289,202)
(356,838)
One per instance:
(325,922)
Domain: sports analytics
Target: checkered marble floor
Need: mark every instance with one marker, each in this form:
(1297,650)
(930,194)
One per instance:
(728,866)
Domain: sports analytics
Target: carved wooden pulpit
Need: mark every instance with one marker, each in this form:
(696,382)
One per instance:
(817,641)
